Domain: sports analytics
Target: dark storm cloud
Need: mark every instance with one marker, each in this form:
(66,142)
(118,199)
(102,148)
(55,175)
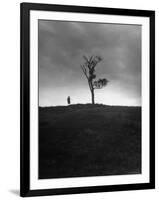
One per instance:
(61,49)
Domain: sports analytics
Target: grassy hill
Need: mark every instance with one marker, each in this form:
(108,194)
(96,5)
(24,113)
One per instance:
(89,140)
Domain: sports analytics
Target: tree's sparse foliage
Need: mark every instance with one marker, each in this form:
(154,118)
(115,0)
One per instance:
(88,69)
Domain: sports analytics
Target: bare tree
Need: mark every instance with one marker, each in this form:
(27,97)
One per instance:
(88,69)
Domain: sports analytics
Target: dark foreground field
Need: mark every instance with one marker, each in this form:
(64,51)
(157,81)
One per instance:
(89,140)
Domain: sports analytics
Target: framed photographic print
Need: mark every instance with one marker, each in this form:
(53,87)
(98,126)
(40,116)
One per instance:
(87,99)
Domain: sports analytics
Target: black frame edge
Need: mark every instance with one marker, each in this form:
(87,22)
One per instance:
(87,9)
(152,99)
(24,102)
(92,189)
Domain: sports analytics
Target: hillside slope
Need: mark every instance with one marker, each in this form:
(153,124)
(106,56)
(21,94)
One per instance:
(89,140)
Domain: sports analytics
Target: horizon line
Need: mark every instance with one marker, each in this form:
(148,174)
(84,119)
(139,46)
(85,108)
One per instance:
(90,104)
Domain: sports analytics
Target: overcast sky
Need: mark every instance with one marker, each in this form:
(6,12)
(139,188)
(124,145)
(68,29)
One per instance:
(61,49)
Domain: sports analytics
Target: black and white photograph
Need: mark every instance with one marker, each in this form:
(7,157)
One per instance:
(89,99)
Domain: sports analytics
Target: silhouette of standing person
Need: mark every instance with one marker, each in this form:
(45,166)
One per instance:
(68,100)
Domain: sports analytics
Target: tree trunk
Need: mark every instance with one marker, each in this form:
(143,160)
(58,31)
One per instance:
(92,94)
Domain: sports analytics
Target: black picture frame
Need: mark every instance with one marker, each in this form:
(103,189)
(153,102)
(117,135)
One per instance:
(25,9)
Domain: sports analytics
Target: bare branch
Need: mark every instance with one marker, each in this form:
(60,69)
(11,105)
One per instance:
(99,58)
(86,59)
(84,71)
(87,63)
(91,59)
(95,61)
